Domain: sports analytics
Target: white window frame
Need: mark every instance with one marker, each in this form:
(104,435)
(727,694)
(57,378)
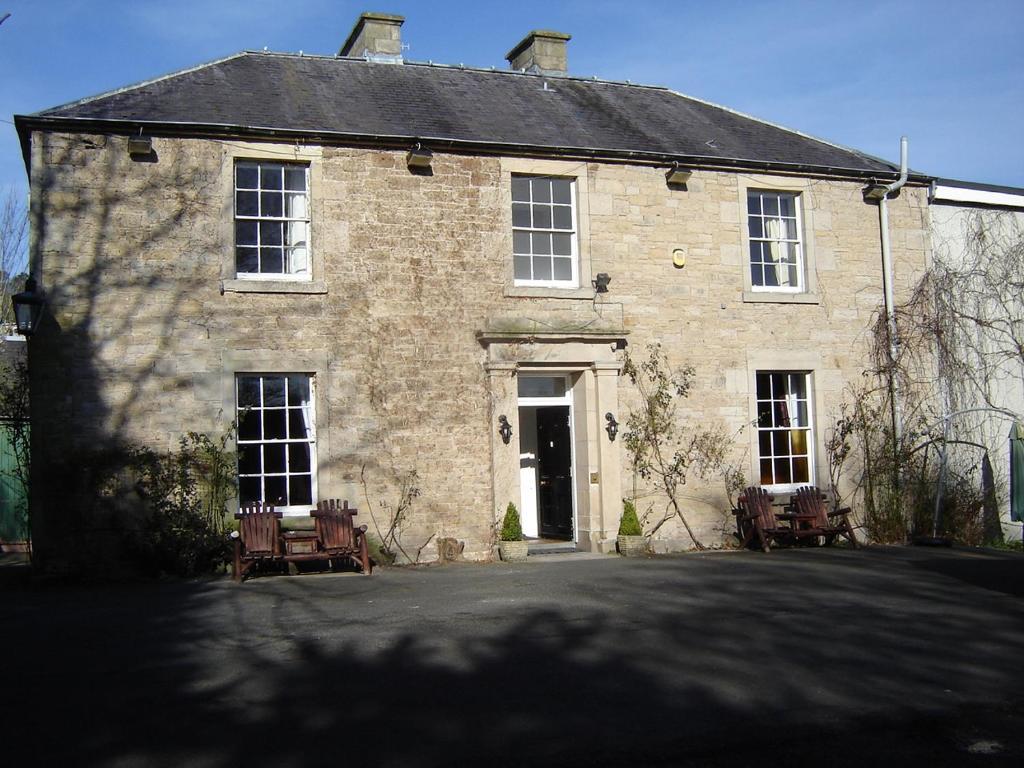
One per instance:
(792,401)
(573,233)
(306,220)
(310,439)
(797,242)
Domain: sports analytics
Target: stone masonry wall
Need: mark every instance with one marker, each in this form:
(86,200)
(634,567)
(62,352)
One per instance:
(143,343)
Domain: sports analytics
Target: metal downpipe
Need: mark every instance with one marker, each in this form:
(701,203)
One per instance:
(890,303)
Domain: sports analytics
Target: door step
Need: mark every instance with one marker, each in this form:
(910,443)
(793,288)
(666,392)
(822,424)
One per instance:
(552,548)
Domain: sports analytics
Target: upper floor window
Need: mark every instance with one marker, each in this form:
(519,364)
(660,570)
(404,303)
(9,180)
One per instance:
(784,428)
(544,231)
(776,250)
(271,220)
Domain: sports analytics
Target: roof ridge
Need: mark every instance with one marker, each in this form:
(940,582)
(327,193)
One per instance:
(785,128)
(492,70)
(141,84)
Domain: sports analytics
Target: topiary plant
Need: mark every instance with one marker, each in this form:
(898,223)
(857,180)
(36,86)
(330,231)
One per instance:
(629,524)
(511,527)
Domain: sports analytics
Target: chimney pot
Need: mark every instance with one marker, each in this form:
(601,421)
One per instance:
(542,51)
(376,37)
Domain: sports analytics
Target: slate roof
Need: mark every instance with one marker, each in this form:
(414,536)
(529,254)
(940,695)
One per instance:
(347,97)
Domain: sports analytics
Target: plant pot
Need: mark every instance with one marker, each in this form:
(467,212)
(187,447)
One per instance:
(513,551)
(631,546)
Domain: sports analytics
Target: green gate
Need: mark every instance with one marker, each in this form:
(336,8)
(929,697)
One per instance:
(13,497)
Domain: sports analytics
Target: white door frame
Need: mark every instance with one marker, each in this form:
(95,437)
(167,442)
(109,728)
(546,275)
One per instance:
(530,513)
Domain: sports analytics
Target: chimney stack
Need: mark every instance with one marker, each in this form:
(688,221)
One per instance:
(541,52)
(376,37)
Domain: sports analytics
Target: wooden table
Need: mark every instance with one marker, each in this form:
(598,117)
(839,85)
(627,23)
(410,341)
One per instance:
(300,543)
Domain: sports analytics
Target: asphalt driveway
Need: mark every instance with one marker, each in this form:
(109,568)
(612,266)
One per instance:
(803,657)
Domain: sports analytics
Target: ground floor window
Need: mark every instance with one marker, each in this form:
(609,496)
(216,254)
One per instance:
(276,439)
(784,428)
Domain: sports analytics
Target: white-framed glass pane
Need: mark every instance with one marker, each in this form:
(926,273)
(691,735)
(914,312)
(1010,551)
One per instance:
(541,386)
(247,176)
(562,217)
(784,425)
(298,261)
(520,215)
(773,226)
(247,203)
(270,176)
(561,191)
(561,245)
(295,205)
(272,260)
(542,267)
(271,211)
(543,225)
(521,188)
(276,439)
(295,179)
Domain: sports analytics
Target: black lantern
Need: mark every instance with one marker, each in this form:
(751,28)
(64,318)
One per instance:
(28,308)
(613,426)
(504,429)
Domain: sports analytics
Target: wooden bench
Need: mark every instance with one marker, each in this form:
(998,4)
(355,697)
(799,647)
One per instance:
(259,538)
(755,518)
(804,519)
(336,538)
(811,517)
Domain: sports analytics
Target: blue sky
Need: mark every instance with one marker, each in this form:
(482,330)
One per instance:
(950,75)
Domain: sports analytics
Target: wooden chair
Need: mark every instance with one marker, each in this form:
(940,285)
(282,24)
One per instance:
(755,517)
(259,537)
(338,534)
(810,505)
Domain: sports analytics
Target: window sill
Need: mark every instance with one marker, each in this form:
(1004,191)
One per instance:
(531,292)
(273,286)
(772,297)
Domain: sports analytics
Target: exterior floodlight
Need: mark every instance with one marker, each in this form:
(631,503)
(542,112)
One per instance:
(28,308)
(678,175)
(601,282)
(419,157)
(875,191)
(140,145)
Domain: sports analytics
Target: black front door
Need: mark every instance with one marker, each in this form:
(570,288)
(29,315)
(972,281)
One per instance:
(554,472)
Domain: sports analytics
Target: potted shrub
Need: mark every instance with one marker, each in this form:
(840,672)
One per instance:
(631,536)
(511,546)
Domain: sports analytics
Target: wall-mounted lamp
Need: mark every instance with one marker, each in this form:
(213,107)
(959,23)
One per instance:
(677,174)
(28,308)
(613,426)
(504,429)
(140,145)
(601,282)
(419,158)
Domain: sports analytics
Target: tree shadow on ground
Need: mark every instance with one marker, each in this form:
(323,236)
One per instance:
(799,658)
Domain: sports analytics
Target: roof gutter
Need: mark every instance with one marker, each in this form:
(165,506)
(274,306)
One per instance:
(27,123)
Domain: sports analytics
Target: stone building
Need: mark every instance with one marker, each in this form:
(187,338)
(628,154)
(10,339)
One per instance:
(375,264)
